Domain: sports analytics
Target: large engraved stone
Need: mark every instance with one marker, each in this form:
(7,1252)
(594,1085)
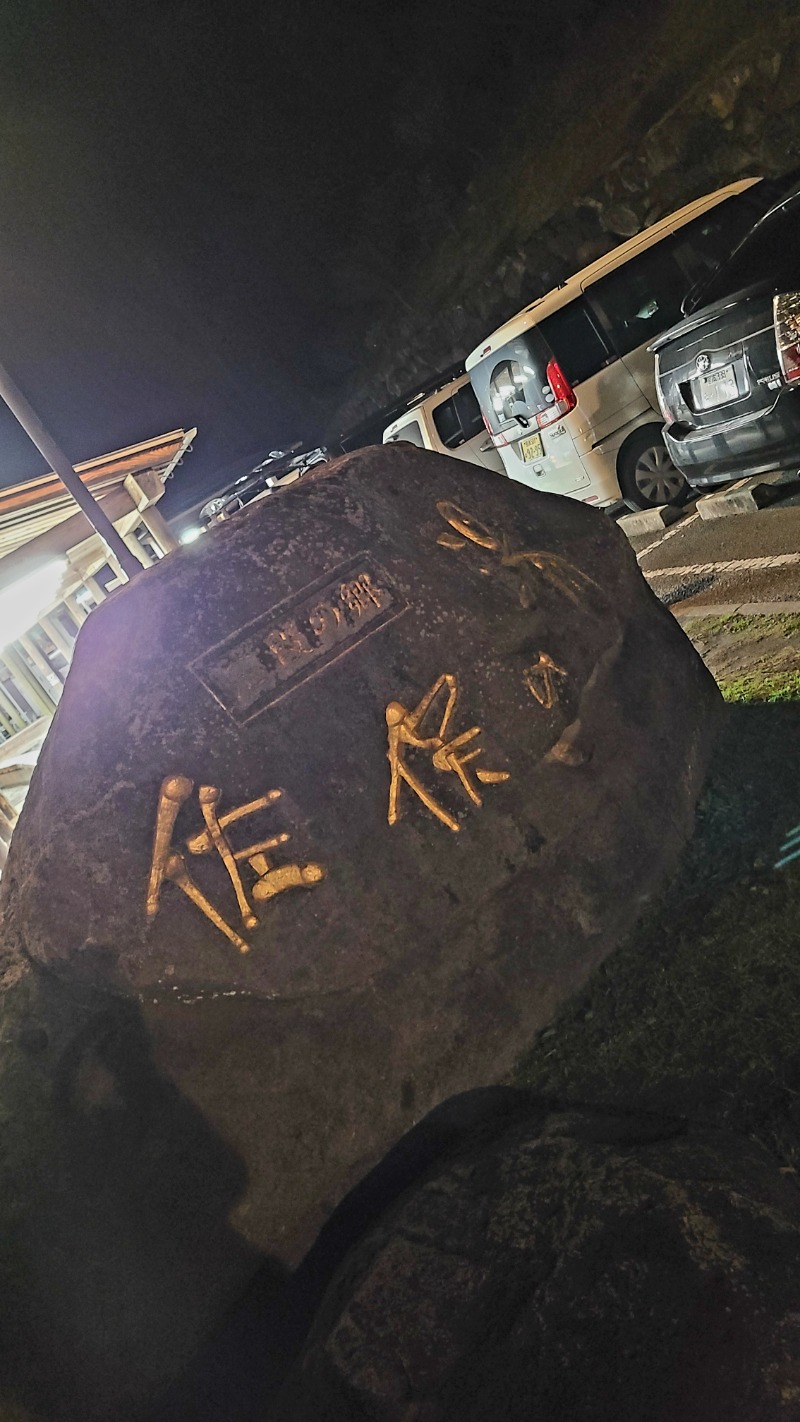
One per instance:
(341,802)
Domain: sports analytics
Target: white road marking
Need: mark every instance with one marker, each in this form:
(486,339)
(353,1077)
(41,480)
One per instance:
(668,533)
(735,565)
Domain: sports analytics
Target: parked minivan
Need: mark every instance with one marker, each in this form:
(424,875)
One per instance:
(567,387)
(449,421)
(729,375)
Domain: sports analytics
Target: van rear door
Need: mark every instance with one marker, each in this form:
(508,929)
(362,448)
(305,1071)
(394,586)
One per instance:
(519,405)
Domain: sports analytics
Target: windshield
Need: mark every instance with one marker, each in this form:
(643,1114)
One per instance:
(768,254)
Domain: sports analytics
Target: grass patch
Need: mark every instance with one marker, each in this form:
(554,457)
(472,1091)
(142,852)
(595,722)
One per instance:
(763,686)
(748,628)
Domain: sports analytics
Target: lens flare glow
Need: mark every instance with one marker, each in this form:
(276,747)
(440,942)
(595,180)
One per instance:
(22,604)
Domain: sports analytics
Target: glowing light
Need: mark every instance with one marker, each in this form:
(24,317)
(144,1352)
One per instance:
(22,604)
(191,535)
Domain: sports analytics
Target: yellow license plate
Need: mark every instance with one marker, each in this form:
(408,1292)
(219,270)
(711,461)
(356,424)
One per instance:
(531,448)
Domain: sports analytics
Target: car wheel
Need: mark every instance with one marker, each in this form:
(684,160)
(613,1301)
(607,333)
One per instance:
(647,476)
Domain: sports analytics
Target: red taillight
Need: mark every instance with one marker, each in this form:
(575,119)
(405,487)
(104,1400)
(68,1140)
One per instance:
(786,317)
(564,398)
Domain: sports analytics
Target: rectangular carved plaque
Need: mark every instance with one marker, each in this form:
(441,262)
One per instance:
(270,656)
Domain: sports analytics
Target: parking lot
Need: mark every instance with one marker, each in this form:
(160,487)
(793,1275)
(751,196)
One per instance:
(728,563)
(734,585)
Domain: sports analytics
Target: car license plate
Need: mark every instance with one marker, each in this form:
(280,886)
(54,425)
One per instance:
(531,448)
(717,387)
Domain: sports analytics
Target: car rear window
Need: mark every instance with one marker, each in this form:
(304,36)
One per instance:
(769,254)
(511,383)
(410,433)
(576,341)
(641,298)
(458,418)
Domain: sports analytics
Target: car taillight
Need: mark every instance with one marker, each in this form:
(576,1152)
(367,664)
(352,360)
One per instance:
(786,316)
(667,412)
(564,398)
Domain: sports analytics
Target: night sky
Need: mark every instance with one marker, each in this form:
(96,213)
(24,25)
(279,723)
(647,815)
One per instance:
(186,200)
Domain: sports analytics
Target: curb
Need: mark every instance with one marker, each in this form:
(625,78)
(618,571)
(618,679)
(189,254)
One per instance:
(633,525)
(747,496)
(728,609)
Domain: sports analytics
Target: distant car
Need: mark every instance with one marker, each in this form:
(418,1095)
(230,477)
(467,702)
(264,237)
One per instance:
(447,419)
(279,468)
(728,375)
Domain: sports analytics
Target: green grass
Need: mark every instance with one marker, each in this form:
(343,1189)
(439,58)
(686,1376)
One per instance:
(749,629)
(766,678)
(763,686)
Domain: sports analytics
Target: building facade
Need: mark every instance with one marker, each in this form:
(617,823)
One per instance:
(54,569)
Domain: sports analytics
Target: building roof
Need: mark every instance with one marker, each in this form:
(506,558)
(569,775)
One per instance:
(37,505)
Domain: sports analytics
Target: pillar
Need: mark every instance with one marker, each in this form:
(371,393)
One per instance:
(39,660)
(136,548)
(78,612)
(57,634)
(42,703)
(157,525)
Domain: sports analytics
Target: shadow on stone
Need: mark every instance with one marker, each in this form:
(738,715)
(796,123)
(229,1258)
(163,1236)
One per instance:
(580,1264)
(117,1257)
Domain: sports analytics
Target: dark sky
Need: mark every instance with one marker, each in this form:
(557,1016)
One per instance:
(180,185)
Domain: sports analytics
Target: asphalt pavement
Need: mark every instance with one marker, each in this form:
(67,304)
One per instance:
(742,559)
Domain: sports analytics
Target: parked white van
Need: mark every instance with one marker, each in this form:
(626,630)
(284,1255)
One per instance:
(449,421)
(567,387)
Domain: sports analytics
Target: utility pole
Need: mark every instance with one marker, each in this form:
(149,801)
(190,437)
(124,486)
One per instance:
(60,465)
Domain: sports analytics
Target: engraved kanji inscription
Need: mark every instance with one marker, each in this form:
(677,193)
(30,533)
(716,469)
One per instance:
(541,680)
(531,566)
(168,863)
(279,650)
(449,754)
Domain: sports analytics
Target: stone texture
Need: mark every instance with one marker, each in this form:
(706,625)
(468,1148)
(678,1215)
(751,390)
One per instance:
(187,1082)
(578,1265)
(741,120)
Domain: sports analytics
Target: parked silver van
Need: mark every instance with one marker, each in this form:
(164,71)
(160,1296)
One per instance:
(567,387)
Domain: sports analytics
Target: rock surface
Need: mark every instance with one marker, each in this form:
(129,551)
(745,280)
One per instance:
(403,944)
(579,1266)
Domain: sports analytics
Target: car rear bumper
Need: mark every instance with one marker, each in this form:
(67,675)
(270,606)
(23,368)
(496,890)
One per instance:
(768,442)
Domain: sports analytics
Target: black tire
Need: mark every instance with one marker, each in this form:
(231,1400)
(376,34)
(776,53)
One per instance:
(647,476)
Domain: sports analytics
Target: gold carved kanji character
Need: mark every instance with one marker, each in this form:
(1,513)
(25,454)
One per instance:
(169,865)
(358,593)
(406,733)
(530,565)
(540,680)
